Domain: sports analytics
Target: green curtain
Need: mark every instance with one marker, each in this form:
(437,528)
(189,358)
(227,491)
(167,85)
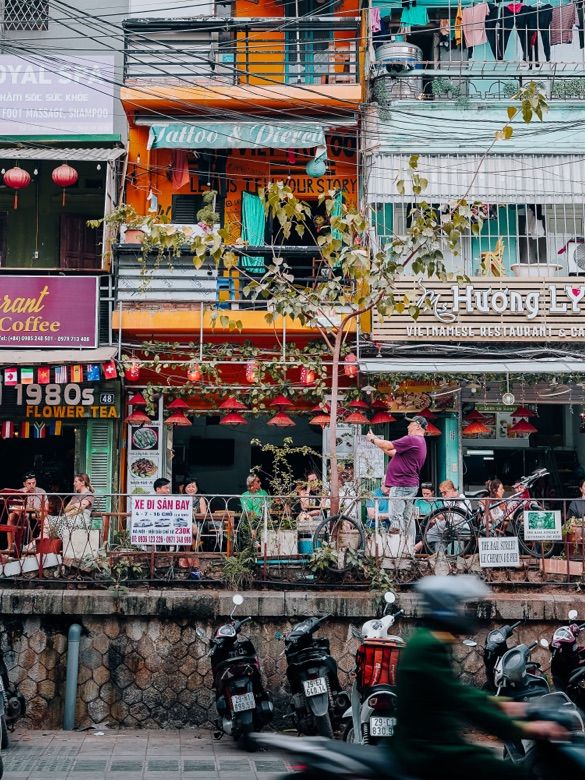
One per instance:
(336,211)
(253,224)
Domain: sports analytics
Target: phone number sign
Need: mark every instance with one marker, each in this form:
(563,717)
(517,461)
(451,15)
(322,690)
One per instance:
(161,519)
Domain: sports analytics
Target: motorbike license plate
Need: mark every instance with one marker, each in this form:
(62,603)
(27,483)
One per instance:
(382,727)
(243,701)
(315,687)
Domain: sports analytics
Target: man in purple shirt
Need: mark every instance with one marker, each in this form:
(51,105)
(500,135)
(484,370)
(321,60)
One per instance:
(407,457)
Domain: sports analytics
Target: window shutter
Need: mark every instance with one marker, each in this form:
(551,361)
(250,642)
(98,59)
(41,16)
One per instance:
(98,459)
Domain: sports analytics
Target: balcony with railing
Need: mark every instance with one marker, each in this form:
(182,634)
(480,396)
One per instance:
(225,55)
(432,54)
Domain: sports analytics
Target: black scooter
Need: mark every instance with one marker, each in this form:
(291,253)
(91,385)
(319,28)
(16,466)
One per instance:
(13,704)
(567,664)
(327,759)
(241,700)
(317,699)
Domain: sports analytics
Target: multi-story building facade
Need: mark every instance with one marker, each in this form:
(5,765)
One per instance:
(227,98)
(441,80)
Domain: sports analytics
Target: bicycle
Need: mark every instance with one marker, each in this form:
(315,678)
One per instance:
(456,530)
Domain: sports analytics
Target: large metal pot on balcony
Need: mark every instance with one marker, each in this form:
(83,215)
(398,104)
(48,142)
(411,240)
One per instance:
(399,57)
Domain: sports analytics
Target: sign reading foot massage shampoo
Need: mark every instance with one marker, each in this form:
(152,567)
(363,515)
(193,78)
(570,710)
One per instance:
(161,519)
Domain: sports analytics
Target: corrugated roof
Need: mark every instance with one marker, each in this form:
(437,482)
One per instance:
(91,154)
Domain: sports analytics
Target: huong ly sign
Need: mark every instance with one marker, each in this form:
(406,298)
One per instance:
(497,309)
(48,311)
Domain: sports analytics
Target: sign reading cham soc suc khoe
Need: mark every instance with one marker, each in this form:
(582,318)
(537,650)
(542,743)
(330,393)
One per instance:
(48,311)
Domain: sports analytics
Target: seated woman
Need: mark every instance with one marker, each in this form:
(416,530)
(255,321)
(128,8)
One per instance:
(200,507)
(438,525)
(495,511)
(309,506)
(77,511)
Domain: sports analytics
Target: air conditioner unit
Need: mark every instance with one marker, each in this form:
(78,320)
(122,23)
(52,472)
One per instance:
(576,256)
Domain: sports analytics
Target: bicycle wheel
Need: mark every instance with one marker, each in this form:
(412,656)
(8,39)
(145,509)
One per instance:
(339,535)
(450,529)
(535,549)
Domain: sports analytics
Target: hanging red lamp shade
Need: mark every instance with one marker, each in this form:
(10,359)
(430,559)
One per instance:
(137,400)
(475,429)
(382,417)
(137,417)
(320,419)
(475,416)
(233,418)
(379,404)
(321,409)
(281,420)
(252,371)
(523,426)
(350,366)
(178,403)
(357,404)
(132,370)
(281,402)
(523,411)
(308,376)
(177,418)
(432,430)
(64,176)
(356,418)
(427,414)
(194,372)
(17,179)
(232,404)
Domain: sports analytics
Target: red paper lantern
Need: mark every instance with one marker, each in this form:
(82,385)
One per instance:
(356,418)
(523,426)
(523,411)
(320,419)
(194,372)
(281,402)
(138,417)
(177,418)
(64,176)
(382,417)
(178,403)
(308,376)
(251,372)
(232,404)
(281,420)
(233,418)
(17,179)
(132,371)
(475,429)
(350,367)
(137,400)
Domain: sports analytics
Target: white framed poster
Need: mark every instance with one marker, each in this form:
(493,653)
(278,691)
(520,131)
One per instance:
(498,551)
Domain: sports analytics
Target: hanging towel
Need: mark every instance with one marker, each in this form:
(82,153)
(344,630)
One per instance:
(180,168)
(564,18)
(414,16)
(473,24)
(458,36)
(375,20)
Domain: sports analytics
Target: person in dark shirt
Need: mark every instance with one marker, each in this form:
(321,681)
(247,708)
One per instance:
(577,505)
(433,705)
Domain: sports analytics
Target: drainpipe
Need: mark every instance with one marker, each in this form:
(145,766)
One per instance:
(73,638)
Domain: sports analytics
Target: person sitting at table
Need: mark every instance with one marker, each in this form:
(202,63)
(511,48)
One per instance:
(255,498)
(35,507)
(377,507)
(77,511)
(309,506)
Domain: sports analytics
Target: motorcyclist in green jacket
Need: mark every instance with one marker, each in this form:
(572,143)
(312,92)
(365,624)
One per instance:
(433,704)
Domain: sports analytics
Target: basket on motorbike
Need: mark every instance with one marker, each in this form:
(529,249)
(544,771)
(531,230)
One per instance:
(376,662)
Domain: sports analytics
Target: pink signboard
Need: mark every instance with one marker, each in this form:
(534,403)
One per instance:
(48,311)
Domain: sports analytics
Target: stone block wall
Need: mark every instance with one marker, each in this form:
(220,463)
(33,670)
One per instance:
(143,658)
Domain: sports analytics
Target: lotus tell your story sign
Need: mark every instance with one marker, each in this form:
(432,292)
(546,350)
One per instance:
(161,519)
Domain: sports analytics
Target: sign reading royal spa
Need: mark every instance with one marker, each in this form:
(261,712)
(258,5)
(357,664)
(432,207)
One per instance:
(502,309)
(48,311)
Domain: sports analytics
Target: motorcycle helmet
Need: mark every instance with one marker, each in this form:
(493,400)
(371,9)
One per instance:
(444,600)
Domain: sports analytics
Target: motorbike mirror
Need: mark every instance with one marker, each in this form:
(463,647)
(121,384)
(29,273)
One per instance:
(389,597)
(469,643)
(278,635)
(573,614)
(356,633)
(238,599)
(201,632)
(544,642)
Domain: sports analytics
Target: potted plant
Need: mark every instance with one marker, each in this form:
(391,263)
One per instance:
(125,219)
(574,538)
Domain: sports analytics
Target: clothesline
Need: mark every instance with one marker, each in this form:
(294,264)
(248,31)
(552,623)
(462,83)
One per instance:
(386,6)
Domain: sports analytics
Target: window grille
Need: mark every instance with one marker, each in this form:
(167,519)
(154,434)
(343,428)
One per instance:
(26,15)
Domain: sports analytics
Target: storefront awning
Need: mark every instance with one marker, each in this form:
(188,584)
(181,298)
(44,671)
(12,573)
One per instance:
(456,366)
(236,135)
(59,153)
(31,357)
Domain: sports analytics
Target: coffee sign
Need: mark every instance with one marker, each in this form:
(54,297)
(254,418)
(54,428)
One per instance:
(499,309)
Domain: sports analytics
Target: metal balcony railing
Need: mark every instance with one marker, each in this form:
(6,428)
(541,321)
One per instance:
(237,51)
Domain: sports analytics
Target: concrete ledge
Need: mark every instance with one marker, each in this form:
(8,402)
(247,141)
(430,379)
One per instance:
(210,604)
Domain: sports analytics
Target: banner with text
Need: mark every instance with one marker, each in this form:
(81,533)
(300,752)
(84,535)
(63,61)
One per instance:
(161,519)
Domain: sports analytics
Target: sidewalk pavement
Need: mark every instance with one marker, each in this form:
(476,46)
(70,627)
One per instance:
(188,754)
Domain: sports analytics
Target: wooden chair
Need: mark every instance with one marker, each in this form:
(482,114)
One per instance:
(492,262)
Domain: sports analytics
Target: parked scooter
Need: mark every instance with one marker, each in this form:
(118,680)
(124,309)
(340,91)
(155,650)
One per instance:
(12,704)
(330,760)
(568,660)
(372,716)
(242,702)
(496,644)
(317,699)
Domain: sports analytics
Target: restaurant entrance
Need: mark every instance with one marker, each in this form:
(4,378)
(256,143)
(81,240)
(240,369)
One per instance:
(52,459)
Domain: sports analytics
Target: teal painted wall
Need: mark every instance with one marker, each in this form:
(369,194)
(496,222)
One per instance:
(448,446)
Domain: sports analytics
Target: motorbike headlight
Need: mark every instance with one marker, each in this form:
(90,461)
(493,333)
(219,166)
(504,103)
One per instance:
(226,631)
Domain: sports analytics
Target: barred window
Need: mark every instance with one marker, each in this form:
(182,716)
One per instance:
(26,14)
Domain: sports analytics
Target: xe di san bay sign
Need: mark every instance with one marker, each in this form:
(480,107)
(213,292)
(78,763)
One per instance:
(501,309)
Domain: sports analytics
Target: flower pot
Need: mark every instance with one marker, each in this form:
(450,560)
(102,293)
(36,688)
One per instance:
(575,543)
(133,236)
(47,546)
(535,270)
